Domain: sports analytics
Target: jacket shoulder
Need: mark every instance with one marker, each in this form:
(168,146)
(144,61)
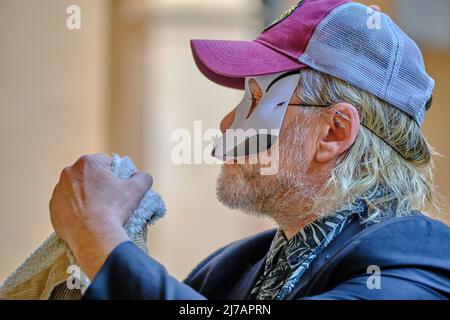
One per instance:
(411,251)
(413,240)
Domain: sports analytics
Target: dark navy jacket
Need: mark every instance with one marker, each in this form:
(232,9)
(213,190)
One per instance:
(412,253)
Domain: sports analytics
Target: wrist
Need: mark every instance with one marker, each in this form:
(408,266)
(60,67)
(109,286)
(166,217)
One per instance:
(92,247)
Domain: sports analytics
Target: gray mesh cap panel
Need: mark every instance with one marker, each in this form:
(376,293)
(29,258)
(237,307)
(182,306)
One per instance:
(379,58)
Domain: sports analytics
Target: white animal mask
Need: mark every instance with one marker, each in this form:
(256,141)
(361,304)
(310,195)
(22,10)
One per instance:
(251,134)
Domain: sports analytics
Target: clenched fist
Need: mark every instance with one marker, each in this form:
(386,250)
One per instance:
(90,205)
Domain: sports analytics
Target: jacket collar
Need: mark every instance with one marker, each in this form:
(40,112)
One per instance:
(243,287)
(342,242)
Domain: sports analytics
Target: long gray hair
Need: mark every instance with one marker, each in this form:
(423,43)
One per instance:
(402,162)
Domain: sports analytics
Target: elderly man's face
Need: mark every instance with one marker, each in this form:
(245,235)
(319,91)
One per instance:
(291,189)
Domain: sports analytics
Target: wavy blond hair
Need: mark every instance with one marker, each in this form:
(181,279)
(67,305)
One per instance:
(390,150)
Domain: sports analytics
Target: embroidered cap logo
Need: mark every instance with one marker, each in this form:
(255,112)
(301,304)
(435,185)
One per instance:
(285,15)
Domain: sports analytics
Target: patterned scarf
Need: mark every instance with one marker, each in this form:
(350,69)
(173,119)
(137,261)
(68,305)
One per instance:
(287,260)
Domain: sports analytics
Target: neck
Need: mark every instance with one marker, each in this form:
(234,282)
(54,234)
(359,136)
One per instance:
(291,228)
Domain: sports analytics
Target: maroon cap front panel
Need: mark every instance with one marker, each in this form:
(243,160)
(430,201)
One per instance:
(291,35)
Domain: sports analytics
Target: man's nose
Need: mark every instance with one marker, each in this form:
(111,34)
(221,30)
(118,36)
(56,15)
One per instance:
(227,121)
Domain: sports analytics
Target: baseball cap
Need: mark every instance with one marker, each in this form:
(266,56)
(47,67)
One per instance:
(341,38)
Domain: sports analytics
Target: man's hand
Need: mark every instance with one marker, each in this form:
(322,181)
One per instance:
(89,207)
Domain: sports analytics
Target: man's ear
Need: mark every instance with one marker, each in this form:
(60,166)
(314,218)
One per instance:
(340,128)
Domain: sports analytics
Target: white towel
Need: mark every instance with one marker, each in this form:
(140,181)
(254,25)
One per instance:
(44,273)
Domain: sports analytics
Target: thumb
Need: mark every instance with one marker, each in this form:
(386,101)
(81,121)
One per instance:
(139,183)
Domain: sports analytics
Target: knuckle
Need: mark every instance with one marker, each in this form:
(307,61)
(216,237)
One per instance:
(100,155)
(84,158)
(65,172)
(52,204)
(102,159)
(82,163)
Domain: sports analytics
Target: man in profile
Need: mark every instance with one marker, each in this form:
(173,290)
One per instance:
(352,188)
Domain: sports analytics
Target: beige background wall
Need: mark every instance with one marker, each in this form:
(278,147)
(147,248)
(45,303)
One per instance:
(53,92)
(123,83)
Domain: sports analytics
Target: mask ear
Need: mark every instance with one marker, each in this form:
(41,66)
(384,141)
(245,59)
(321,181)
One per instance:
(339,129)
(256,93)
(256,124)
(227,121)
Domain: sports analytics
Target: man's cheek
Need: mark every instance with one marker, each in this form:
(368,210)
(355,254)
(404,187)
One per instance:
(269,161)
(309,150)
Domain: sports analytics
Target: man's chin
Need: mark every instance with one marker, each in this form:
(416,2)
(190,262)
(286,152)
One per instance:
(231,188)
(238,188)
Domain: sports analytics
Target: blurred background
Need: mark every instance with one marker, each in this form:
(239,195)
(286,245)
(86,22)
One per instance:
(123,82)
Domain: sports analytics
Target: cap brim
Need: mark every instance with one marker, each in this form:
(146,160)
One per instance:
(228,62)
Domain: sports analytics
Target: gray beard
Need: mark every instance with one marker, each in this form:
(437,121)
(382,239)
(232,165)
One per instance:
(285,197)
